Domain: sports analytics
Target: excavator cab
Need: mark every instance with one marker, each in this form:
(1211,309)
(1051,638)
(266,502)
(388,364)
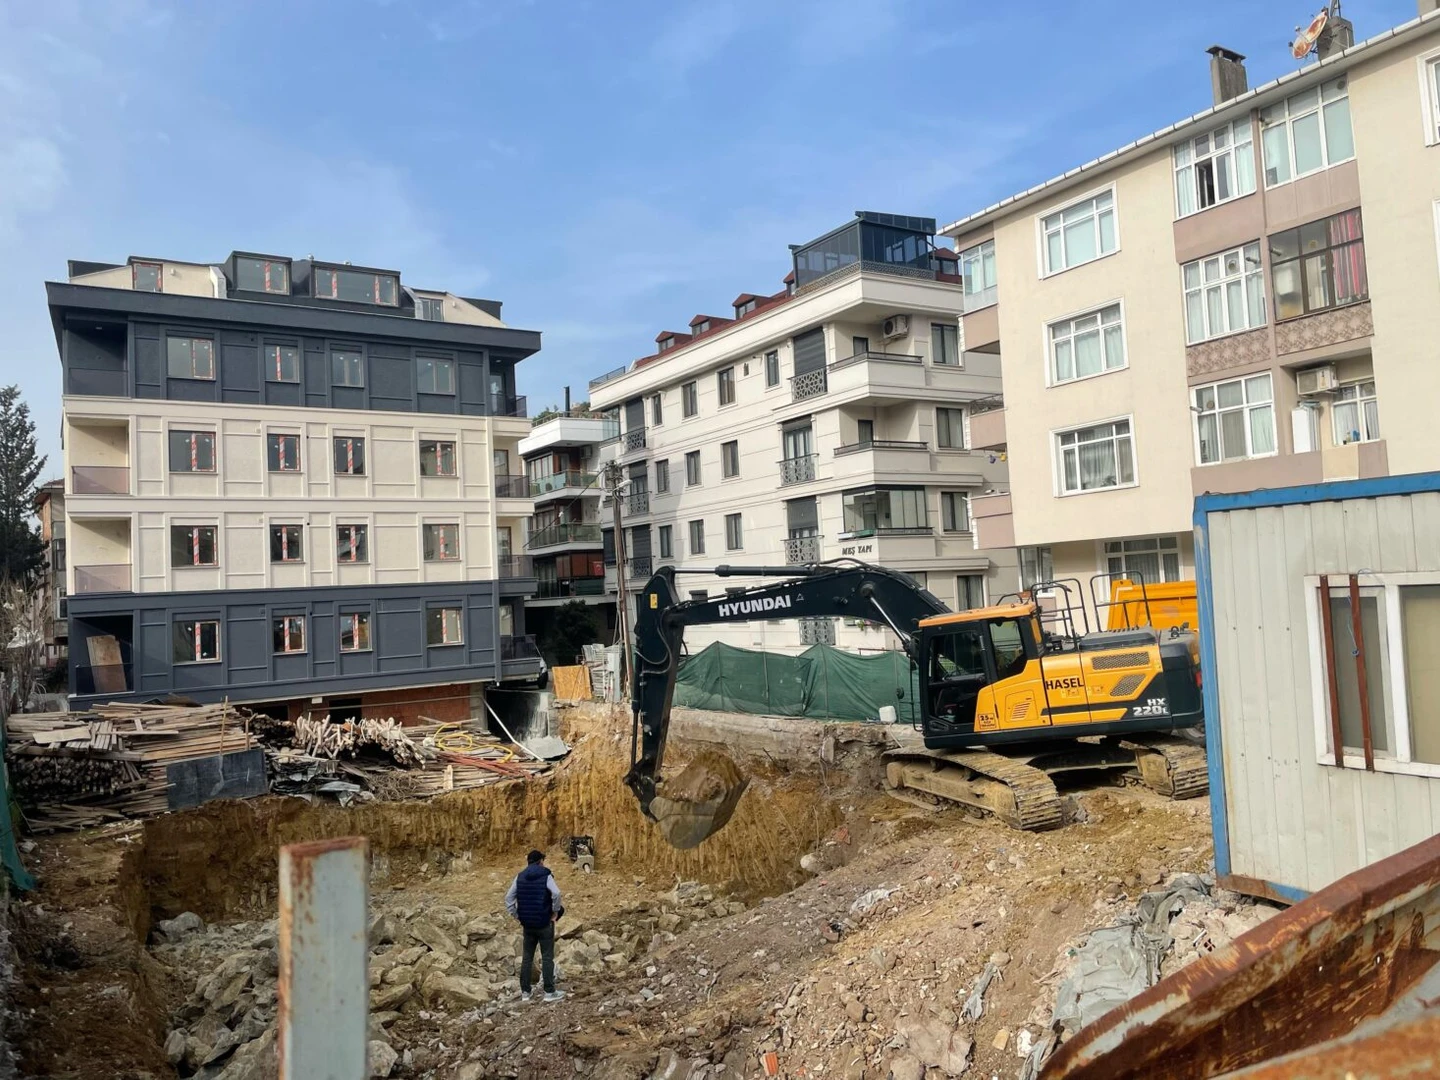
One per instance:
(966,655)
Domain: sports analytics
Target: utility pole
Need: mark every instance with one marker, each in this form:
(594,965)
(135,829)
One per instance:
(614,484)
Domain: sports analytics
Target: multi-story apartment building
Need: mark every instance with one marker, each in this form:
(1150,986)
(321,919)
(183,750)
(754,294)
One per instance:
(829,419)
(281,486)
(50,509)
(1245,299)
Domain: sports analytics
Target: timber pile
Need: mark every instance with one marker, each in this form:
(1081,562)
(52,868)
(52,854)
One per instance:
(72,770)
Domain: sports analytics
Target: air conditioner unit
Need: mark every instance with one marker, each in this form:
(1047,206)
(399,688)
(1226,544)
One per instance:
(1316,380)
(895,326)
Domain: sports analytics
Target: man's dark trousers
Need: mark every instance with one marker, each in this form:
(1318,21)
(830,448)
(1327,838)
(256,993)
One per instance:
(545,938)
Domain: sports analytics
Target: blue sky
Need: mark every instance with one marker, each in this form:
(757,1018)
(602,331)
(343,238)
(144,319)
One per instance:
(607,170)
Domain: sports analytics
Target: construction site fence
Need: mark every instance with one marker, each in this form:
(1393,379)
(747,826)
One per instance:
(822,683)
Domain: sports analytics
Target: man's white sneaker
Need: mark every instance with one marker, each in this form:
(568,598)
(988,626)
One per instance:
(555,995)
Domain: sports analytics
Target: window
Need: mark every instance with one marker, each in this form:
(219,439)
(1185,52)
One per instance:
(434,376)
(347,368)
(442,626)
(734,540)
(1080,233)
(692,468)
(262,275)
(945,344)
(977,269)
(147,277)
(354,631)
(285,543)
(1215,167)
(1089,344)
(192,545)
(772,368)
(859,346)
(1307,132)
(667,541)
(192,451)
(697,537)
(700,327)
(282,363)
(1148,559)
(57,556)
(864,432)
(662,476)
(689,400)
(196,641)
(1224,293)
(730,459)
(437,457)
(282,452)
(817,630)
(969,591)
(1036,565)
(1430,77)
(1235,419)
(190,358)
(725,384)
(441,542)
(1356,413)
(955,511)
(288,634)
(356,286)
(657,409)
(352,543)
(1098,457)
(745,307)
(885,509)
(950,428)
(349,455)
(430,308)
(1318,266)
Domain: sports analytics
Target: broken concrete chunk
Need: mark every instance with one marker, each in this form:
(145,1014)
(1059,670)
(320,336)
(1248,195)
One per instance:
(175,1044)
(390,996)
(459,990)
(187,922)
(935,1044)
(428,933)
(399,975)
(906,1067)
(385,929)
(382,1058)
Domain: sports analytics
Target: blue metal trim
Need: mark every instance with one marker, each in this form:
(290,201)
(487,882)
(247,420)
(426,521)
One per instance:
(1290,893)
(1328,491)
(1210,694)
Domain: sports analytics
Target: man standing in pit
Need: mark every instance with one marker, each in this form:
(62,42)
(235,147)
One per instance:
(534,899)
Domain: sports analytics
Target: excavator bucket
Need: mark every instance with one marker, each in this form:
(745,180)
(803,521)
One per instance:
(698,803)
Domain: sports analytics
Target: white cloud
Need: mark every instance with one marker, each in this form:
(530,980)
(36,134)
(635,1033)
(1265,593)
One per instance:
(32,172)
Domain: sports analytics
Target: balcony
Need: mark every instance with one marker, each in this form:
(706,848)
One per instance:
(890,545)
(641,567)
(111,578)
(879,444)
(1354,461)
(637,503)
(601,380)
(808,385)
(512,487)
(872,354)
(992,518)
(574,588)
(797,470)
(518,648)
(634,439)
(100,480)
(508,405)
(803,550)
(987,423)
(559,430)
(569,481)
(515,566)
(586,533)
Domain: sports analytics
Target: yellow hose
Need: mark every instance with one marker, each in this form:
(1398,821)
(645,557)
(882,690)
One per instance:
(453,739)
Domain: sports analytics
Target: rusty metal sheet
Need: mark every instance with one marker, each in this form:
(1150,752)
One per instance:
(1306,976)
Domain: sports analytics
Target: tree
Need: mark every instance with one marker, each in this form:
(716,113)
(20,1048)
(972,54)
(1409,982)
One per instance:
(21,550)
(570,627)
(22,643)
(578,408)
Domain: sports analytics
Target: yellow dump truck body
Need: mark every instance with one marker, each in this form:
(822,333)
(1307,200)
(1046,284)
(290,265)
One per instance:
(1162,605)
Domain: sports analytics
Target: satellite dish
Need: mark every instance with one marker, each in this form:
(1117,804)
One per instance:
(1305,39)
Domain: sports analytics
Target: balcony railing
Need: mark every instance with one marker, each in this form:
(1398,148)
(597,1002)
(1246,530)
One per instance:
(565,533)
(515,566)
(100,480)
(601,380)
(879,444)
(518,647)
(797,470)
(808,385)
(872,354)
(512,487)
(114,577)
(895,530)
(571,478)
(986,404)
(634,439)
(508,405)
(802,550)
(552,590)
(642,566)
(637,502)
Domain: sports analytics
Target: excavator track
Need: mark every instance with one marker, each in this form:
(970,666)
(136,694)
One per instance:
(1171,766)
(1018,794)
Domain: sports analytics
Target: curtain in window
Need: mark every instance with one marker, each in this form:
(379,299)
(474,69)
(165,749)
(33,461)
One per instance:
(1097,465)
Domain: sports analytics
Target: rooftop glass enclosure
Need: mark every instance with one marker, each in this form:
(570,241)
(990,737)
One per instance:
(885,240)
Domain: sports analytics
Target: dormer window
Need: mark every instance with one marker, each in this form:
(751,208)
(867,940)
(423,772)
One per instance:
(667,343)
(700,327)
(743,309)
(431,308)
(147,276)
(263,275)
(356,286)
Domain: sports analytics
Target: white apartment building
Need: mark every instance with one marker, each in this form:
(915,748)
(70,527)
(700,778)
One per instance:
(825,421)
(1246,299)
(287,484)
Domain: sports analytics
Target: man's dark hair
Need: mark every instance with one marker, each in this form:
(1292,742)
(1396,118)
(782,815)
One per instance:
(534,857)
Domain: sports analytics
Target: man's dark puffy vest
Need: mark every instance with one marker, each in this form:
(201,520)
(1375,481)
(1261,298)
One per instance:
(533,902)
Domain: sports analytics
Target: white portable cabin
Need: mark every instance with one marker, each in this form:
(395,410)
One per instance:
(1284,667)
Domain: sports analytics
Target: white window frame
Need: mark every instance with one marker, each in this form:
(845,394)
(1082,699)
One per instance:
(1041,231)
(738,522)
(1287,120)
(1358,401)
(1058,457)
(1392,634)
(983,260)
(1246,406)
(725,471)
(772,368)
(1202,288)
(430,308)
(1184,157)
(1428,66)
(1156,549)
(437,364)
(692,534)
(1052,377)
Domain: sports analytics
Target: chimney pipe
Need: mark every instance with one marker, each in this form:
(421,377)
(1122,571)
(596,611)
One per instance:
(1227,74)
(1339,35)
(567,401)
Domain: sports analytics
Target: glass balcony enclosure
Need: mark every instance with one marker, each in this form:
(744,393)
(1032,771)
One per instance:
(890,242)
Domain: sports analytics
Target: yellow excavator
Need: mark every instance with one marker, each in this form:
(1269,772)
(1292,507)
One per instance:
(1010,696)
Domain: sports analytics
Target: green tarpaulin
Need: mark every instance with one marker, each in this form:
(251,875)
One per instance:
(822,683)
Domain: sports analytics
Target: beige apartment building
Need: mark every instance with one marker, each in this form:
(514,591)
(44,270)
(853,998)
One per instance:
(827,420)
(1249,298)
